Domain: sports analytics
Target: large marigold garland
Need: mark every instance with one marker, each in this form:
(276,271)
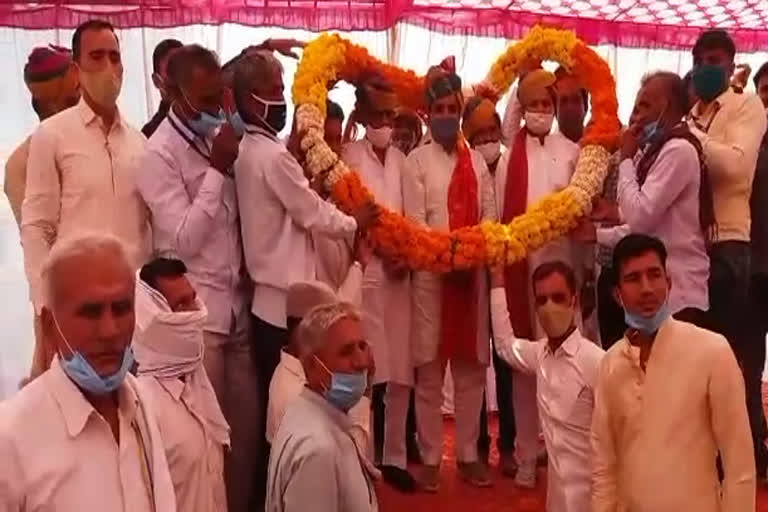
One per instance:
(330,58)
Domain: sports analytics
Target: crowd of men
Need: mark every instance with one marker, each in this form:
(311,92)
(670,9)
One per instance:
(214,334)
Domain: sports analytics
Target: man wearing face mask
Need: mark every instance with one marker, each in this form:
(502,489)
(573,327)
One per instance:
(565,365)
(81,171)
(386,283)
(315,464)
(663,191)
(279,213)
(668,391)
(160,58)
(186,179)
(446,185)
(407,131)
(84,435)
(481,127)
(730,126)
(538,163)
(168,342)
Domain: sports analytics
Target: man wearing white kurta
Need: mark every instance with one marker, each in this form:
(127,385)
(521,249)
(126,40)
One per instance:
(446,186)
(386,283)
(315,464)
(565,365)
(169,347)
(537,164)
(669,399)
(83,436)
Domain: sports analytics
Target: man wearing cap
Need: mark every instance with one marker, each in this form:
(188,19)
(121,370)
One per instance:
(538,163)
(52,82)
(289,379)
(446,185)
(386,283)
(481,126)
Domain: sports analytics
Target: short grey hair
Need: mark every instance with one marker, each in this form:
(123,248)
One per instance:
(252,68)
(75,246)
(313,330)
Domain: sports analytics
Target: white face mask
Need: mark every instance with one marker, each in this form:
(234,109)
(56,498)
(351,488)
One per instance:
(555,318)
(539,123)
(490,151)
(379,137)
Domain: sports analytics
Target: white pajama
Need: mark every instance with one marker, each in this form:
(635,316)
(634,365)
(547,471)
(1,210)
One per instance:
(396,400)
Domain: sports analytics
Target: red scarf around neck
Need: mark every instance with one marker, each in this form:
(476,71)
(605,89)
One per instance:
(458,322)
(516,283)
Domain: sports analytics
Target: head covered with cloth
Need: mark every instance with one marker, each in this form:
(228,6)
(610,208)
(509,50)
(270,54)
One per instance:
(52,80)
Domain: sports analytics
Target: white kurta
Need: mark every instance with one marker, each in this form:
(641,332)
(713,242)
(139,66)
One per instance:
(386,302)
(427,176)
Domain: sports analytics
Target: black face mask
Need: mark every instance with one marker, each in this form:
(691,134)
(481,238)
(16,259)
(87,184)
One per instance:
(274,115)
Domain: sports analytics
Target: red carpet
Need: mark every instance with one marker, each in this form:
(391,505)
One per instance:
(457,496)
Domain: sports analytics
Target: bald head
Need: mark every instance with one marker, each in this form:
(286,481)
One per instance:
(88,306)
(672,87)
(662,98)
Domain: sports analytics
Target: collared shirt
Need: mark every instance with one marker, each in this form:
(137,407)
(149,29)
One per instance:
(656,433)
(195,459)
(730,130)
(16,178)
(58,453)
(79,179)
(336,268)
(666,206)
(565,385)
(426,178)
(195,218)
(286,385)
(314,463)
(279,212)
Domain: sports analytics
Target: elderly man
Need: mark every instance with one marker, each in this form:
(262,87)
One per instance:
(52,81)
(538,163)
(169,348)
(668,391)
(82,163)
(572,105)
(85,422)
(386,283)
(160,58)
(675,207)
(186,179)
(446,185)
(565,365)
(730,126)
(315,463)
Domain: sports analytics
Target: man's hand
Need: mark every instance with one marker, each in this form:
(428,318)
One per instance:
(604,210)
(225,148)
(363,250)
(630,141)
(285,46)
(741,75)
(366,215)
(497,276)
(585,232)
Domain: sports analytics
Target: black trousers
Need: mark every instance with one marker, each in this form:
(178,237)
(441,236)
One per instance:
(267,341)
(736,311)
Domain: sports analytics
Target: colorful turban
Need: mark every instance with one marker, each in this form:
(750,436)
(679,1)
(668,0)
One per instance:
(480,114)
(536,80)
(378,94)
(49,73)
(442,81)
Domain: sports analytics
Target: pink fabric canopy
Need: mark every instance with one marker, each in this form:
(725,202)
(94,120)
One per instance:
(644,23)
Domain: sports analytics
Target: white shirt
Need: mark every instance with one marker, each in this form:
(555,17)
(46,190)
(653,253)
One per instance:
(656,433)
(79,179)
(426,178)
(386,301)
(667,207)
(336,268)
(59,454)
(278,212)
(195,458)
(565,385)
(195,218)
(314,463)
(287,383)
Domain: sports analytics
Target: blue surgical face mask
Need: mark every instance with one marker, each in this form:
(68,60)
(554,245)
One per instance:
(237,124)
(653,130)
(346,389)
(85,377)
(647,325)
(205,124)
(445,130)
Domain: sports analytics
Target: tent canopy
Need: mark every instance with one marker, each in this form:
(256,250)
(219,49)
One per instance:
(634,23)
